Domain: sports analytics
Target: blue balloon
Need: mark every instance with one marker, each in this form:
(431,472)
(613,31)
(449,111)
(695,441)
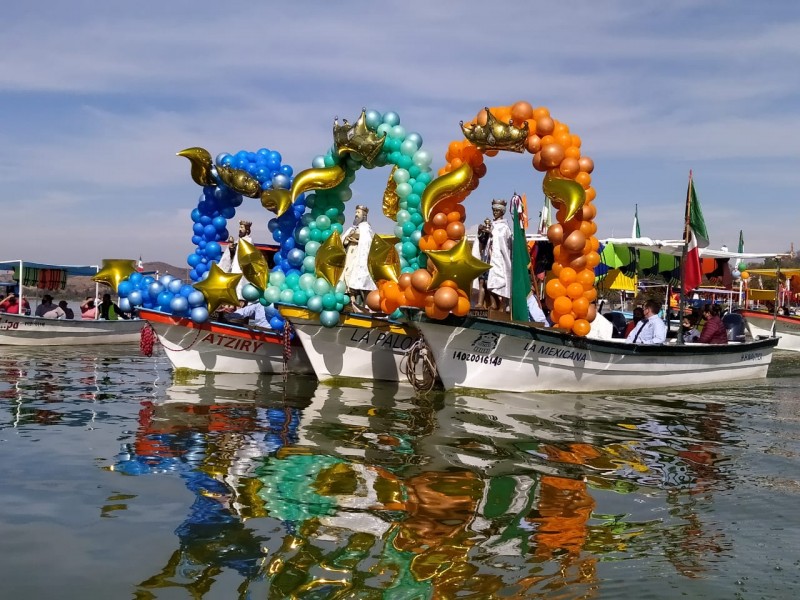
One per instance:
(179,304)
(196,298)
(187,289)
(210,232)
(276,322)
(124,288)
(199,314)
(213,250)
(219,223)
(135,298)
(175,286)
(163,300)
(329,318)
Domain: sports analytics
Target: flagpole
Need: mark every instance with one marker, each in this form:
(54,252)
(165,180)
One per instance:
(687,217)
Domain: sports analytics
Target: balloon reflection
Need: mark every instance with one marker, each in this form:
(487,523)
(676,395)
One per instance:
(309,490)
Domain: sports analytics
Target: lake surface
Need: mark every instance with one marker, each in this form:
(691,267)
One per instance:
(121,479)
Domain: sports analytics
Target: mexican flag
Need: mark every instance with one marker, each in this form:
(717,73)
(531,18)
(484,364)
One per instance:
(698,238)
(520,262)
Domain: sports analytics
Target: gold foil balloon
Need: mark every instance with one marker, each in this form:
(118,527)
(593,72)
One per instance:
(201,165)
(280,200)
(253,264)
(357,139)
(564,192)
(219,287)
(330,259)
(391,201)
(383,261)
(456,264)
(239,181)
(442,188)
(115,270)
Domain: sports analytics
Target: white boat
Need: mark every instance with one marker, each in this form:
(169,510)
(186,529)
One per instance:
(482,353)
(25,330)
(22,330)
(787,328)
(360,347)
(223,347)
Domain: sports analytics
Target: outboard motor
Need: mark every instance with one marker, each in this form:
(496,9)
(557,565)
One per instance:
(736,327)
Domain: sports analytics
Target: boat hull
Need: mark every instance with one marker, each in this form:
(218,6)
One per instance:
(23,330)
(786,328)
(485,354)
(360,347)
(223,348)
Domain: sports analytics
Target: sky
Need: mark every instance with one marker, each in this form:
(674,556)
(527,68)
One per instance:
(97,97)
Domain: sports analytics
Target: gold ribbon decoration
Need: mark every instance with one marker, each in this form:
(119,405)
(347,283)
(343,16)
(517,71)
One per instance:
(442,188)
(325,178)
(391,201)
(564,192)
(201,165)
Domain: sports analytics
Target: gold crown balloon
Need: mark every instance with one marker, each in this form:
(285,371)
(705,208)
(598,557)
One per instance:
(239,181)
(496,135)
(357,138)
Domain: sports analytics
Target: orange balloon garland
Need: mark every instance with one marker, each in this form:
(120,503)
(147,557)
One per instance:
(557,152)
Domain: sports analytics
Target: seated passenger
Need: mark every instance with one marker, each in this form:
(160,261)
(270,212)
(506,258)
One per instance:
(714,331)
(535,312)
(651,330)
(689,329)
(88,309)
(638,316)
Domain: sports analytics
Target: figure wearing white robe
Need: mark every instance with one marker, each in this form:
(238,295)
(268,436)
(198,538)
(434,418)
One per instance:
(356,272)
(499,280)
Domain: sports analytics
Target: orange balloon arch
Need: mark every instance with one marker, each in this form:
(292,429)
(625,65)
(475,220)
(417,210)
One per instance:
(570,290)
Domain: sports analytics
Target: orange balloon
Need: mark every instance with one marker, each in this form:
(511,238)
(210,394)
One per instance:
(565,139)
(548,139)
(587,164)
(449,283)
(453,216)
(555,233)
(592,259)
(555,288)
(544,126)
(462,308)
(374,300)
(567,276)
(420,280)
(581,327)
(592,312)
(534,143)
(588,228)
(569,167)
(556,268)
(579,263)
(552,155)
(566,321)
(574,242)
(540,112)
(439,236)
(575,290)
(404,281)
(589,211)
(521,111)
(591,194)
(391,291)
(584,179)
(590,294)
(562,305)
(439,220)
(455,230)
(445,298)
(448,244)
(585,278)
(536,161)
(580,307)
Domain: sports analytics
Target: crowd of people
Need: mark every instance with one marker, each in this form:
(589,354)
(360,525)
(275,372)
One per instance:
(49,309)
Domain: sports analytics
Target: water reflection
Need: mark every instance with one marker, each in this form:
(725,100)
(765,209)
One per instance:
(309,491)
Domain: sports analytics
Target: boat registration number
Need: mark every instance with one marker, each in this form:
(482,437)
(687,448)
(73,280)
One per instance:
(477,358)
(6,325)
(751,356)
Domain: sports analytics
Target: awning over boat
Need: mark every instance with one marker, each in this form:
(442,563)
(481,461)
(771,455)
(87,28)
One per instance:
(90,270)
(785,273)
(675,248)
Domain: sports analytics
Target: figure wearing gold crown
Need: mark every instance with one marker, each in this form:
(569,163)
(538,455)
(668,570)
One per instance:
(357,240)
(230,259)
(498,282)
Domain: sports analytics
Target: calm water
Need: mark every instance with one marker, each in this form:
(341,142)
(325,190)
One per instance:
(121,480)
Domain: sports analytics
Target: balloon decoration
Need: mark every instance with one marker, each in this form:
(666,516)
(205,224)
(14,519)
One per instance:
(556,152)
(114,271)
(317,258)
(219,288)
(253,264)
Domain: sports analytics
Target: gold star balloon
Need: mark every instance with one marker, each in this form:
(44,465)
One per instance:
(383,261)
(330,259)
(456,264)
(219,287)
(441,188)
(253,264)
(115,270)
(280,200)
(564,192)
(201,165)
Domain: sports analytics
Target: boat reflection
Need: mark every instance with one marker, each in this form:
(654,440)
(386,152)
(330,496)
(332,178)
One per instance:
(306,490)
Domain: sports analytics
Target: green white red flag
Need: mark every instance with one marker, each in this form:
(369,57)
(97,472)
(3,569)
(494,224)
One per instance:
(698,238)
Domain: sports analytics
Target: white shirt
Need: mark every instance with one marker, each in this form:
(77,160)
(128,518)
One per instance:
(649,331)
(535,311)
(253,311)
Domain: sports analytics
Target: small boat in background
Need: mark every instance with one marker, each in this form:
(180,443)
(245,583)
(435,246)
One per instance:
(224,347)
(778,322)
(25,330)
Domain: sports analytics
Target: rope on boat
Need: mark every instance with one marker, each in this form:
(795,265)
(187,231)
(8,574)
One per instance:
(287,348)
(147,340)
(418,366)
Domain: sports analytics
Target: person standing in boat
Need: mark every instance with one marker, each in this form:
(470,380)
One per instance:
(357,241)
(110,311)
(651,330)
(714,330)
(498,282)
